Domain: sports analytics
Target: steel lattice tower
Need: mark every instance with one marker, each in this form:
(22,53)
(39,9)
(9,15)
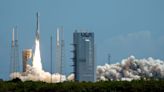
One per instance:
(14,63)
(62,52)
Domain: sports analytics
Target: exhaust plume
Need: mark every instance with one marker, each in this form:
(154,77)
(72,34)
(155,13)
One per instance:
(129,69)
(35,72)
(36,58)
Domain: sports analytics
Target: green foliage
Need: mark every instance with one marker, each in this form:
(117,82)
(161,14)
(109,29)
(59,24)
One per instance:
(16,80)
(102,86)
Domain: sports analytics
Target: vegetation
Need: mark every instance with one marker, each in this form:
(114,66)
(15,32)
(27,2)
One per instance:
(102,86)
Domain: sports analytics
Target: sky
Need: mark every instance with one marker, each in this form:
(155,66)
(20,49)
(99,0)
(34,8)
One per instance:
(122,28)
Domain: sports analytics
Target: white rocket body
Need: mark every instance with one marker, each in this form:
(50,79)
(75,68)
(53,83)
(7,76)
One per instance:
(36,56)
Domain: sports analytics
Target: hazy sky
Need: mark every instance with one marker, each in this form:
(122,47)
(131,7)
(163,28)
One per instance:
(122,28)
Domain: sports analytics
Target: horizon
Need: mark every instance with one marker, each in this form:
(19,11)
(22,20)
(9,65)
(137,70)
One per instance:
(121,28)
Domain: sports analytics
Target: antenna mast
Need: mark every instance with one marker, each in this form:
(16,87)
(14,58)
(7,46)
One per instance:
(109,57)
(62,51)
(51,55)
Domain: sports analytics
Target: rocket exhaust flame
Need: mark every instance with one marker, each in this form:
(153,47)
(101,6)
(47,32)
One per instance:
(36,58)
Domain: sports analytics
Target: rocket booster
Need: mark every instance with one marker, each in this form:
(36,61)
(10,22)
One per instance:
(37,28)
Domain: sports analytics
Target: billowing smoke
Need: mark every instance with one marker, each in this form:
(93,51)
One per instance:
(132,69)
(35,72)
(129,69)
(71,77)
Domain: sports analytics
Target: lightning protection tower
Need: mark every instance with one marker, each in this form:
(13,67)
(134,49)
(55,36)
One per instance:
(14,63)
(60,52)
(109,58)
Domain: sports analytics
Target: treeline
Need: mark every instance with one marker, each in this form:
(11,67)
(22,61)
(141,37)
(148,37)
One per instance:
(102,86)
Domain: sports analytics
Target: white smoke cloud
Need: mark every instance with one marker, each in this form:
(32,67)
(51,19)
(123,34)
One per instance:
(71,77)
(131,69)
(34,74)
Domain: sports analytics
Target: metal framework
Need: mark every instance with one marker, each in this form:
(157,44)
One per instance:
(14,63)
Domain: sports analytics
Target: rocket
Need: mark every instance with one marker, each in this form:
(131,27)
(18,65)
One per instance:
(37,28)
